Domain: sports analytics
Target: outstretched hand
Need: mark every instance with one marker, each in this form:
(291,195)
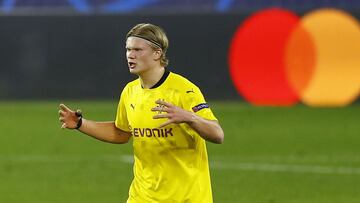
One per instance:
(68,117)
(174,114)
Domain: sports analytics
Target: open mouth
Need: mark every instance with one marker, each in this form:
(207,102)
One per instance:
(131,65)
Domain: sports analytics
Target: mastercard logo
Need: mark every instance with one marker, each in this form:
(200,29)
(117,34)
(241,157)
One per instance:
(279,58)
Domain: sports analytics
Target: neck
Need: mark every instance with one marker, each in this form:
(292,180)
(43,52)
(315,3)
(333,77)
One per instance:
(151,77)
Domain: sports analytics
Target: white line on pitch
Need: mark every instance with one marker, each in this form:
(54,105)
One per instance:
(266,167)
(215,165)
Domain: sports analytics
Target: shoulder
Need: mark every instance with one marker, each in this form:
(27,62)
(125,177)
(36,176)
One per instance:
(129,87)
(132,83)
(181,82)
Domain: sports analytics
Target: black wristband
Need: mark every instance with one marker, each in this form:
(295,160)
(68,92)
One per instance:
(79,115)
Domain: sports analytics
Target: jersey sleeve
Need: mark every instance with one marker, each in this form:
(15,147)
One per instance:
(194,101)
(121,120)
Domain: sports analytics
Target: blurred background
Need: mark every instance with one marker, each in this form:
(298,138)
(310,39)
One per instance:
(283,78)
(75,48)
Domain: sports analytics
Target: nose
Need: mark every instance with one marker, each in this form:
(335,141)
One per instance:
(130,54)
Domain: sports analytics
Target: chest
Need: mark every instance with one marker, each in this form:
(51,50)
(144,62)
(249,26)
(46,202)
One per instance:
(147,136)
(139,107)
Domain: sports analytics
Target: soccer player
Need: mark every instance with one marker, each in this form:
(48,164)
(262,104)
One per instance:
(168,121)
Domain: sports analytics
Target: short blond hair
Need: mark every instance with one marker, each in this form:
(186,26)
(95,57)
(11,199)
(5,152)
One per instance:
(153,34)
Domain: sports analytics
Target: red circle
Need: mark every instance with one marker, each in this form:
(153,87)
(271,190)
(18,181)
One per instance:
(256,58)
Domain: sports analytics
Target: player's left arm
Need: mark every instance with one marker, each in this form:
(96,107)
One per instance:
(210,130)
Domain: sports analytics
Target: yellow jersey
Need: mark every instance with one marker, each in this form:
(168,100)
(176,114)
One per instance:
(170,163)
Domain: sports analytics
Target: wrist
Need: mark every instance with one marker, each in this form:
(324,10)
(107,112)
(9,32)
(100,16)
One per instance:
(192,119)
(80,119)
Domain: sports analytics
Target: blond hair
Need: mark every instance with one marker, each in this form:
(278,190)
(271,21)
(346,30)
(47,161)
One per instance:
(153,34)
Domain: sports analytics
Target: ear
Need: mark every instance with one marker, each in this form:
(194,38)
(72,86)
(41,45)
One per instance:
(157,54)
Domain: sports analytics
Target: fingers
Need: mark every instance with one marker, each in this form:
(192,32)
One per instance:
(161,109)
(162,106)
(61,113)
(170,121)
(162,102)
(64,115)
(64,108)
(161,116)
(166,123)
(61,119)
(69,118)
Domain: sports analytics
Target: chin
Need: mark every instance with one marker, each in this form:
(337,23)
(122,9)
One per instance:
(134,71)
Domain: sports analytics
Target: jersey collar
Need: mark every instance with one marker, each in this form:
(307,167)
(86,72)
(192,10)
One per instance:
(162,79)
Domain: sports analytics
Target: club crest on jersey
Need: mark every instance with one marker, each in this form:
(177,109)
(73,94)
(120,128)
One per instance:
(200,106)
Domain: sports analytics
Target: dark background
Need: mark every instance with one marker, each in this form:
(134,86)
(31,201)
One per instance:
(83,56)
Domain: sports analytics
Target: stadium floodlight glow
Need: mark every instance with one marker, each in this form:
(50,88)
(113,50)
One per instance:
(277,58)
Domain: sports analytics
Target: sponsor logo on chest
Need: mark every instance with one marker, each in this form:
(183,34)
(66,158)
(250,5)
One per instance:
(152,132)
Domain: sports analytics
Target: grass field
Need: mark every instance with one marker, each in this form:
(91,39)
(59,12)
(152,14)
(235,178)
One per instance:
(270,155)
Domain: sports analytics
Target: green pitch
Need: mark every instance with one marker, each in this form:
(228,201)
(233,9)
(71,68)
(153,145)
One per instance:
(270,155)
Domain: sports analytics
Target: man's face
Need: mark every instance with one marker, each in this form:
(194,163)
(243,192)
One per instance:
(140,55)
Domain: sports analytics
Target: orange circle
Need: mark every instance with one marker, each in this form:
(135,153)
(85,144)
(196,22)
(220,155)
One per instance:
(335,79)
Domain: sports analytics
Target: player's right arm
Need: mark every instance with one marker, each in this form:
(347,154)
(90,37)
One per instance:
(104,131)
